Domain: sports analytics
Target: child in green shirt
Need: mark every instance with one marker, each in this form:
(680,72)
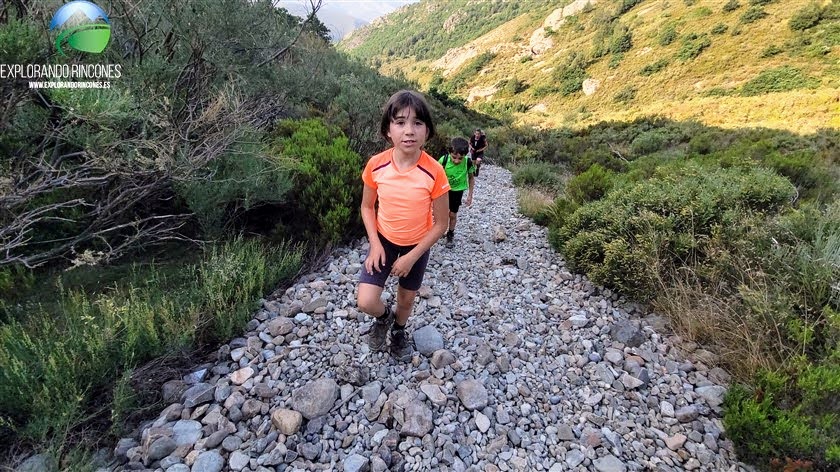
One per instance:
(460,171)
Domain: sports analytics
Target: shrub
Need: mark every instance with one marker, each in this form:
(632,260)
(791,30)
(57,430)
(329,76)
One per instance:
(590,185)
(719,28)
(668,35)
(780,79)
(731,5)
(805,18)
(657,66)
(327,185)
(570,76)
(626,95)
(753,14)
(692,46)
(762,2)
(701,144)
(625,5)
(537,174)
(771,51)
(621,41)
(648,142)
(637,232)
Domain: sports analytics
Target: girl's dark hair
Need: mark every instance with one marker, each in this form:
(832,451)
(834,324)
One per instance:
(402,100)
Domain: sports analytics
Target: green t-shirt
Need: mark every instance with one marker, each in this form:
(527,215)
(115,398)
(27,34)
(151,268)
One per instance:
(458,174)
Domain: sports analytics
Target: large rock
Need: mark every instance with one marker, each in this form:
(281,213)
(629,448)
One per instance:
(38,463)
(427,340)
(286,421)
(627,333)
(590,86)
(315,398)
(197,394)
(208,461)
(472,394)
(417,420)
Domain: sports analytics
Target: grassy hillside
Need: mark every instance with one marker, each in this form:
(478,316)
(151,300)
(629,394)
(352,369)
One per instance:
(729,63)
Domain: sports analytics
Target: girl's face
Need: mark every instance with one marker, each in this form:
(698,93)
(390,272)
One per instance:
(478,134)
(407,132)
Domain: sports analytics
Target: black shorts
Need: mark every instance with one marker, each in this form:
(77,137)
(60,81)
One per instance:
(412,281)
(455,197)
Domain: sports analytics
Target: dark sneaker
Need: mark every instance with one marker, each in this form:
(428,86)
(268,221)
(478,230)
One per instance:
(379,331)
(450,236)
(400,347)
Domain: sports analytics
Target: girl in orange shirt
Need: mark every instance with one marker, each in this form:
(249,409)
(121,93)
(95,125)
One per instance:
(412,191)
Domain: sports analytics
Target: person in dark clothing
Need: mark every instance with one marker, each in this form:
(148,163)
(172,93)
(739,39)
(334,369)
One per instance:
(478,143)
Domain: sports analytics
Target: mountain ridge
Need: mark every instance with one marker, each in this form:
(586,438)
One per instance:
(620,63)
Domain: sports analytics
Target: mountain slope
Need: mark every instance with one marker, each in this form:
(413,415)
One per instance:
(729,63)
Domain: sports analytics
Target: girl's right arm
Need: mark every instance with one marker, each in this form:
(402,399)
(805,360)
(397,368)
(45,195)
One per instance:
(376,255)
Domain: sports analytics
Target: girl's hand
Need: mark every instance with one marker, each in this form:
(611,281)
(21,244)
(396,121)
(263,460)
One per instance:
(469,200)
(403,265)
(375,258)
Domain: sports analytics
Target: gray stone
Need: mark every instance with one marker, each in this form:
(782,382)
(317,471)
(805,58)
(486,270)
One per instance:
(38,463)
(315,398)
(197,394)
(472,394)
(186,432)
(427,340)
(609,463)
(356,463)
(208,461)
(627,333)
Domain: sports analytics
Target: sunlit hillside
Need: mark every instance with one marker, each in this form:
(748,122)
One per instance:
(730,63)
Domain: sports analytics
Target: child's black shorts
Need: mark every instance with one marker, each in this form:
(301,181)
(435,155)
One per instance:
(455,197)
(412,281)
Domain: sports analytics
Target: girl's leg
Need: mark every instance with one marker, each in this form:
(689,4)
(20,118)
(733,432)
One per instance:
(405,304)
(369,299)
(453,220)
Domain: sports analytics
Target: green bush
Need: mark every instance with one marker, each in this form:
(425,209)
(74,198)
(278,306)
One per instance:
(731,5)
(590,185)
(537,174)
(625,95)
(668,35)
(648,142)
(771,50)
(235,182)
(327,172)
(804,169)
(621,41)
(719,28)
(571,75)
(701,143)
(781,417)
(640,232)
(762,2)
(657,66)
(692,46)
(779,79)
(805,18)
(753,14)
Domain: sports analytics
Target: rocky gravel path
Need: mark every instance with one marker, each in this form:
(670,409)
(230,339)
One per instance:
(519,365)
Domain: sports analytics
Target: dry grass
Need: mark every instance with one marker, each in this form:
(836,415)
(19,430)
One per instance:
(533,200)
(745,342)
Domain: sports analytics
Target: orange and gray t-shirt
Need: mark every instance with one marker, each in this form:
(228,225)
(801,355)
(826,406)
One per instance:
(405,197)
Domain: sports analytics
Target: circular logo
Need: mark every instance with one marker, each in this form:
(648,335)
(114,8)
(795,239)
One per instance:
(82,26)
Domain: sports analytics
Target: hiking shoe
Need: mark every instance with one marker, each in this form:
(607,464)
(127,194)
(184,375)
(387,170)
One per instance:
(400,347)
(379,331)
(450,236)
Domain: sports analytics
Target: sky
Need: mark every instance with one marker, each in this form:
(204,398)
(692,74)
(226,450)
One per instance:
(343,16)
